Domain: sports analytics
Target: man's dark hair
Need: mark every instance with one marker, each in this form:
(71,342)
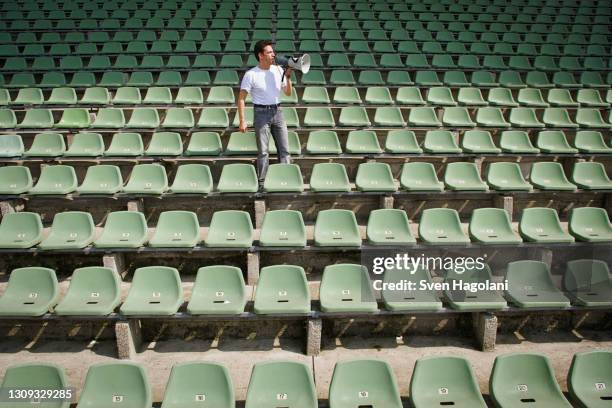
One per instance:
(259,47)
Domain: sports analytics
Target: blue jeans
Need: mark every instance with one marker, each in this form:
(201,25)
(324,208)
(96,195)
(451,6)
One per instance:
(266,121)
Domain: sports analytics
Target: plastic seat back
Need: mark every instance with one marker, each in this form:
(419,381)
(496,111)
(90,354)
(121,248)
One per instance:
(155,290)
(193,383)
(346,288)
(192,178)
(288,382)
(589,376)
(55,179)
(542,225)
(230,228)
(363,383)
(336,228)
(123,229)
(20,230)
(93,291)
(70,230)
(176,229)
(218,289)
(120,383)
(492,225)
(15,180)
(282,289)
(441,226)
(101,179)
(37,376)
(147,179)
(283,228)
(530,285)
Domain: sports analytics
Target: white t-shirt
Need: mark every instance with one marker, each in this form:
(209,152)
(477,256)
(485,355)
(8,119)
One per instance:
(264,85)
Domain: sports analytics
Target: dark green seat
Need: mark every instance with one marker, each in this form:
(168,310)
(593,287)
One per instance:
(346,288)
(440,142)
(176,229)
(192,384)
(522,378)
(554,141)
(165,144)
(516,141)
(590,141)
(389,227)
(147,179)
(204,144)
(530,285)
(375,177)
(31,291)
(587,282)
(479,141)
(55,179)
(20,230)
(492,226)
(323,142)
(32,376)
(336,228)
(507,176)
(11,146)
(420,176)
(531,97)
(402,142)
(591,176)
(155,290)
(218,289)
(47,145)
(550,176)
(326,177)
(440,381)
(192,178)
(359,383)
(289,383)
(282,289)
(93,291)
(121,383)
(86,145)
(15,180)
(441,226)
(232,229)
(588,378)
(408,300)
(590,224)
(463,176)
(125,144)
(123,229)
(238,178)
(284,178)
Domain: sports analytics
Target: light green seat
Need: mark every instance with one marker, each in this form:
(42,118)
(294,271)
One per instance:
(587,282)
(112,118)
(463,176)
(491,117)
(165,144)
(530,285)
(588,118)
(561,97)
(389,116)
(471,97)
(424,117)
(33,376)
(516,141)
(359,383)
(86,145)
(336,228)
(420,176)
(189,95)
(143,118)
(492,226)
(282,289)
(461,298)
(378,95)
(347,288)
(295,146)
(323,142)
(238,178)
(354,117)
(127,95)
(31,291)
(230,229)
(440,141)
(123,229)
(525,377)
(123,382)
(283,228)
(408,300)
(284,178)
(319,117)
(439,381)
(531,97)
(291,117)
(191,384)
(591,97)
(409,96)
(29,96)
(326,177)
(456,79)
(375,177)
(147,179)
(591,141)
(11,146)
(501,97)
(55,179)
(507,176)
(176,229)
(402,142)
(479,141)
(158,95)
(590,224)
(457,117)
(155,290)
(221,94)
(46,145)
(362,142)
(591,176)
(588,378)
(441,226)
(557,117)
(249,116)
(93,291)
(315,94)
(192,178)
(213,118)
(240,143)
(70,230)
(542,225)
(287,381)
(62,96)
(553,141)
(440,96)
(525,117)
(550,176)
(125,144)
(389,227)
(204,144)
(15,180)
(20,230)
(218,289)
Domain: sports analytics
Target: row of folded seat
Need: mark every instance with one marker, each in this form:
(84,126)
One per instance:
(339,77)
(319,142)
(374,95)
(286,228)
(353,116)
(283,289)
(194,178)
(435,381)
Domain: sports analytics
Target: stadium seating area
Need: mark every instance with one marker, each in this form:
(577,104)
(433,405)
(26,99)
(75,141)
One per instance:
(447,127)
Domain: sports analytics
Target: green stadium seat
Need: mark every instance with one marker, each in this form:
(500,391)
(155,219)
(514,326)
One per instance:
(287,380)
(542,225)
(204,144)
(283,228)
(530,285)
(516,141)
(346,94)
(143,118)
(588,376)
(441,96)
(558,117)
(155,290)
(283,178)
(218,289)
(400,78)
(221,94)
(590,224)
(31,291)
(52,79)
(501,97)
(463,176)
(440,141)
(587,282)
(46,145)
(588,118)
(479,141)
(176,229)
(123,229)
(74,118)
(101,179)
(192,178)
(420,176)
(342,77)
(95,96)
(346,288)
(112,118)
(441,226)
(147,179)
(29,96)
(226,77)
(329,177)
(441,381)
(550,176)
(375,177)
(323,142)
(590,141)
(319,117)
(362,142)
(86,145)
(178,118)
(124,382)
(538,79)
(197,78)
(189,95)
(70,230)
(525,117)
(531,97)
(483,79)
(471,97)
(554,141)
(378,96)
(455,79)
(20,230)
(409,300)
(238,178)
(213,118)
(240,143)
(198,381)
(427,79)
(230,229)
(370,78)
(158,96)
(11,146)
(462,299)
(389,227)
(591,98)
(62,96)
(457,117)
(165,144)
(402,142)
(125,144)
(591,176)
(389,116)
(313,77)
(113,79)
(561,97)
(315,94)
(492,226)
(55,179)
(21,80)
(37,376)
(591,79)
(364,382)
(423,116)
(507,176)
(282,289)
(409,96)
(37,119)
(336,228)
(93,291)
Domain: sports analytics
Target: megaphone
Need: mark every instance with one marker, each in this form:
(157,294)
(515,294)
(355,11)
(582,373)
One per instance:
(301,64)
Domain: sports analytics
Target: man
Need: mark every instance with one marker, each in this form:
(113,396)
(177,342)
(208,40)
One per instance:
(264,82)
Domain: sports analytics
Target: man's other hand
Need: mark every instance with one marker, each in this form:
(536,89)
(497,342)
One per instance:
(288,72)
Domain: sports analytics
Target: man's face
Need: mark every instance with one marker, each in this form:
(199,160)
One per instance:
(267,55)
